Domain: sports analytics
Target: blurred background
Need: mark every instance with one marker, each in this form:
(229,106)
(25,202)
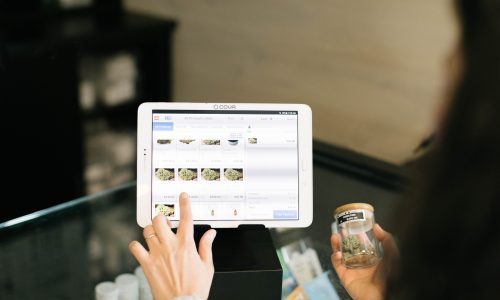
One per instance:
(72,73)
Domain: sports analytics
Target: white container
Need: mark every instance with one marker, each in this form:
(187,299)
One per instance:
(106,290)
(144,289)
(128,284)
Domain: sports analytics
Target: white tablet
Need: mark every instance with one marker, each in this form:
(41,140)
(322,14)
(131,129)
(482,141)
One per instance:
(239,163)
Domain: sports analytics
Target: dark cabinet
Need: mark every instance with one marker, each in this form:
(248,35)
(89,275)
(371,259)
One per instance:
(54,107)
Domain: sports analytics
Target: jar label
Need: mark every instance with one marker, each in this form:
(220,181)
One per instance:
(350,216)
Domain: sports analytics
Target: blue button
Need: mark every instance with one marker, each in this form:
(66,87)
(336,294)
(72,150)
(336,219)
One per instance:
(285,214)
(163,126)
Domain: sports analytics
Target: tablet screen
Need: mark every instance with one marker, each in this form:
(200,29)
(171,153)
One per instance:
(237,165)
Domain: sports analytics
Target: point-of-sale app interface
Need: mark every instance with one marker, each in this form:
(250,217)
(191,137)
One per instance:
(238,165)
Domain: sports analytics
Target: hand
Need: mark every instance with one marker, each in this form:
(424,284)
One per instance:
(366,283)
(172,266)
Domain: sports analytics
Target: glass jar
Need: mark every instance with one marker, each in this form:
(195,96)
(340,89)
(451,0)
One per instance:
(354,223)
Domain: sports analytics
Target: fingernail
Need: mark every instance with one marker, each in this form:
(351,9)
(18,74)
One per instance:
(184,195)
(213,234)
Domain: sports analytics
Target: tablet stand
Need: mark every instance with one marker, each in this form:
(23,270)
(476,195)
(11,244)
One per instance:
(246,263)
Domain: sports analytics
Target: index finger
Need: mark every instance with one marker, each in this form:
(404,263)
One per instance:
(335,241)
(186,219)
(337,256)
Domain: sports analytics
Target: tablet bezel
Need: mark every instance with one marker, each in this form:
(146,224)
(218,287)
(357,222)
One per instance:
(144,134)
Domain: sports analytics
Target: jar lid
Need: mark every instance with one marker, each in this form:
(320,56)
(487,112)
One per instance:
(352,206)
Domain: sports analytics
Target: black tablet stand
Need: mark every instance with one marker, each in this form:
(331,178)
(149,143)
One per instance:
(246,263)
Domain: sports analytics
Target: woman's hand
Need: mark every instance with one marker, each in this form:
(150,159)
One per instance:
(172,266)
(366,283)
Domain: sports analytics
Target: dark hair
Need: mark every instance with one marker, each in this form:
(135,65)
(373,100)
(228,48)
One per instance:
(449,232)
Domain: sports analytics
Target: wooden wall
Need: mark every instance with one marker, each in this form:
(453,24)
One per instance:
(372,71)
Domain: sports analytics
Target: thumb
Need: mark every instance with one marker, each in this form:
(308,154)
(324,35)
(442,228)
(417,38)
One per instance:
(390,260)
(387,240)
(205,248)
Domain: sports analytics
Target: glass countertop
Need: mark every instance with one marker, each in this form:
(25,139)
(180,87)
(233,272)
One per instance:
(62,252)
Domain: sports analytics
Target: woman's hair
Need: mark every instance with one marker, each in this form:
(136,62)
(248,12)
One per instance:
(449,225)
